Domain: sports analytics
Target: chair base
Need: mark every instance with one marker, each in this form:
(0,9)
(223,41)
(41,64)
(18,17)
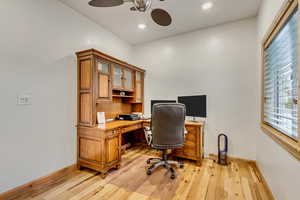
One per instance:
(165,163)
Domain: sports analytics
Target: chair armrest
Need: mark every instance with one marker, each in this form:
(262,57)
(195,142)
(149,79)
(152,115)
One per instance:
(148,135)
(147,128)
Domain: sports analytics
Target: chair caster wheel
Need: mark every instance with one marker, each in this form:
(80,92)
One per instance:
(148,162)
(181,166)
(149,172)
(173,176)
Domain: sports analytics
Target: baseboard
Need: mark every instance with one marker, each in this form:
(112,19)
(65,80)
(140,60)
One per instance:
(263,180)
(253,164)
(38,185)
(215,158)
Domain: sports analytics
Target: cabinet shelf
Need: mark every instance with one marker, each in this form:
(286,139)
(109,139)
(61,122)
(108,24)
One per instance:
(122,90)
(122,96)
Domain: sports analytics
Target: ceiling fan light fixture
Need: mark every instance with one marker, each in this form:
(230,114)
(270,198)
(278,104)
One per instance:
(142,5)
(142,26)
(207,6)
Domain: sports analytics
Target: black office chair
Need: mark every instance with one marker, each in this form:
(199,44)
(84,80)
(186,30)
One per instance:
(167,131)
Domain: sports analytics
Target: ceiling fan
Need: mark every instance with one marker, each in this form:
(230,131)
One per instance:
(159,16)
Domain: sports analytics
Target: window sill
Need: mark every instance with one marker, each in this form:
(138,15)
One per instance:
(287,143)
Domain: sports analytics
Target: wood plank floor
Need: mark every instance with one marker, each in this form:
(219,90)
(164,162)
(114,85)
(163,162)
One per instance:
(239,180)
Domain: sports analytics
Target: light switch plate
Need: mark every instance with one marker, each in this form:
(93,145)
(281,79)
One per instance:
(25,99)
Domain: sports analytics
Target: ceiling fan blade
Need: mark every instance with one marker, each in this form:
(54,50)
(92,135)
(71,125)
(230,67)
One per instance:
(105,3)
(161,17)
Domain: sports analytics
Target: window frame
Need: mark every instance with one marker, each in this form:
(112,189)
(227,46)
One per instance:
(288,143)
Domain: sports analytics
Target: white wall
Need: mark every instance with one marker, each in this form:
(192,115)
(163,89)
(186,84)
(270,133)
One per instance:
(220,62)
(280,169)
(38,41)
(37,57)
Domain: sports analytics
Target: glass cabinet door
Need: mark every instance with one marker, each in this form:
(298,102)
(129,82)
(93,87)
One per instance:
(103,67)
(117,82)
(104,84)
(138,76)
(128,79)
(138,87)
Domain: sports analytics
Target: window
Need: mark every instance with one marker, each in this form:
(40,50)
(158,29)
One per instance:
(280,79)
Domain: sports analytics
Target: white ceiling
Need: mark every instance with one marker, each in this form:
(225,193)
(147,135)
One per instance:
(187,16)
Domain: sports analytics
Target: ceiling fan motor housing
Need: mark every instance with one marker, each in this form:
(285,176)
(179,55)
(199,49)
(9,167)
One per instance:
(142,5)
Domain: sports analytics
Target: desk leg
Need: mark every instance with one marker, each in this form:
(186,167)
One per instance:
(199,163)
(103,175)
(79,166)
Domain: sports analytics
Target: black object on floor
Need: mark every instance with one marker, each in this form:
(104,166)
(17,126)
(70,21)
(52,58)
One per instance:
(222,152)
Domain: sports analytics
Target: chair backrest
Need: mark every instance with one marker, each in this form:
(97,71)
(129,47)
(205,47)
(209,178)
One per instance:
(167,125)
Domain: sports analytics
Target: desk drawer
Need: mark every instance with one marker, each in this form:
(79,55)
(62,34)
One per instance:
(190,144)
(131,128)
(191,129)
(190,152)
(112,133)
(191,137)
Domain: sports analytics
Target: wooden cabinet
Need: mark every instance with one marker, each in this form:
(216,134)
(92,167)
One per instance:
(193,148)
(127,79)
(139,87)
(104,91)
(89,149)
(85,91)
(101,80)
(193,145)
(117,77)
(113,146)
(98,75)
(99,150)
(123,78)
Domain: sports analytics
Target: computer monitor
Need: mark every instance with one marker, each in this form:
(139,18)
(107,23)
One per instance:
(161,101)
(195,105)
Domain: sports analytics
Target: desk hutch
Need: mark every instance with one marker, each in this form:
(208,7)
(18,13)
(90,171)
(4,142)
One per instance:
(107,84)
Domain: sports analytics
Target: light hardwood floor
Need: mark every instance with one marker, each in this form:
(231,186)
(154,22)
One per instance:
(240,180)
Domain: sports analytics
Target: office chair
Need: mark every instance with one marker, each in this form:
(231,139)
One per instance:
(166,132)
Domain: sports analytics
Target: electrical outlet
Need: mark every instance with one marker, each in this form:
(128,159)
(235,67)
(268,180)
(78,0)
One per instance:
(25,99)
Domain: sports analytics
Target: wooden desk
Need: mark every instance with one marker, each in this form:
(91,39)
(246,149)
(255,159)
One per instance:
(193,148)
(121,124)
(99,147)
(107,84)
(110,85)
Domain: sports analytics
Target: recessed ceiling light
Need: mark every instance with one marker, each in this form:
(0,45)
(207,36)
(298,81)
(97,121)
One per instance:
(142,26)
(207,5)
